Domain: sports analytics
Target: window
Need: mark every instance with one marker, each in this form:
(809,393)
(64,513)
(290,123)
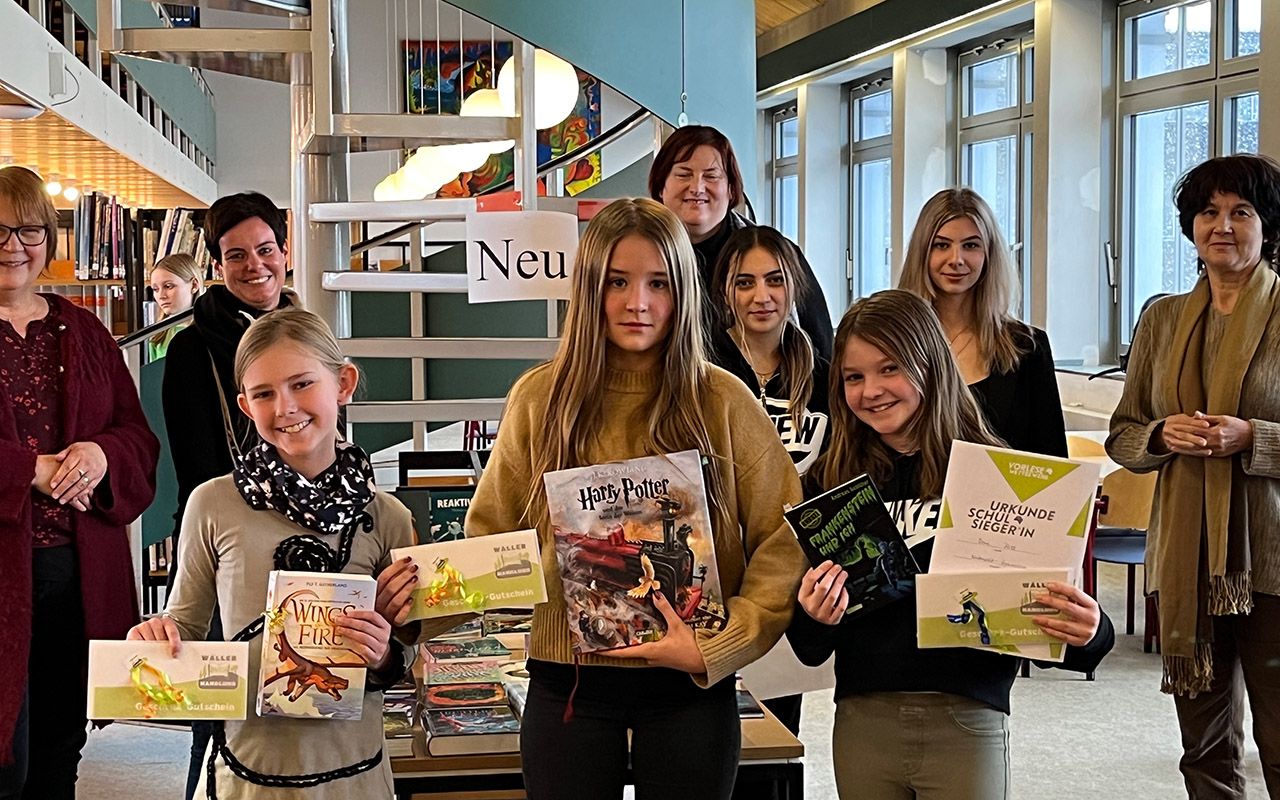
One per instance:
(1188,91)
(784,168)
(871,206)
(996,108)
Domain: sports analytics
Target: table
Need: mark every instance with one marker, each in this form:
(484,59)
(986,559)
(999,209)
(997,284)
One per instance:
(768,751)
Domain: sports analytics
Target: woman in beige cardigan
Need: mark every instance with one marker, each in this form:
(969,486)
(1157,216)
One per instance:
(1200,405)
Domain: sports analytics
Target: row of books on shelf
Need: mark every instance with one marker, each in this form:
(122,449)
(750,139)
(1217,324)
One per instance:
(107,236)
(178,233)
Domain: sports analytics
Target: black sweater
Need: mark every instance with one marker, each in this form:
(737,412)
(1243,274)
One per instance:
(1022,407)
(815,319)
(878,653)
(807,443)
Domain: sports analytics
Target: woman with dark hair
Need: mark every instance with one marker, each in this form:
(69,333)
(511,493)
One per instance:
(77,466)
(696,175)
(1200,405)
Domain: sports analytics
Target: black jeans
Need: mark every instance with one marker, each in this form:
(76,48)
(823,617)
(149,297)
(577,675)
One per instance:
(51,729)
(685,741)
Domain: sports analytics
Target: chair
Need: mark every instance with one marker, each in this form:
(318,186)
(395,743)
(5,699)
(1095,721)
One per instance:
(479,434)
(1081,447)
(1122,537)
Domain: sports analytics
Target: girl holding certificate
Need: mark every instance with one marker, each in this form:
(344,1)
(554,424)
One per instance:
(911,722)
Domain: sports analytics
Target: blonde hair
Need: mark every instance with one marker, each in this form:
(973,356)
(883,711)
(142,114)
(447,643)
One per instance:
(573,414)
(184,267)
(291,324)
(1001,338)
(24,190)
(907,331)
(795,349)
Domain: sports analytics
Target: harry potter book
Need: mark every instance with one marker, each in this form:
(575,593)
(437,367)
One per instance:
(308,669)
(624,531)
(850,526)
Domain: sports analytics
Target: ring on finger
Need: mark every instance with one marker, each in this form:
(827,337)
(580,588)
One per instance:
(84,477)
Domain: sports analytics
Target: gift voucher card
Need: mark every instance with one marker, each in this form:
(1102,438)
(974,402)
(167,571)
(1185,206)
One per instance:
(474,574)
(139,680)
(989,608)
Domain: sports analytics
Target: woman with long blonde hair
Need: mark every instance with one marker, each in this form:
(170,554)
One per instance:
(911,722)
(630,379)
(958,261)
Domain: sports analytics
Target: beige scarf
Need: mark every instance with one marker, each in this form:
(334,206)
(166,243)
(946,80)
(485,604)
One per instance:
(1203,547)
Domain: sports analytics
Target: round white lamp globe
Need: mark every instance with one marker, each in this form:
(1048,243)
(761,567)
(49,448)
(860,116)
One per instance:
(555,88)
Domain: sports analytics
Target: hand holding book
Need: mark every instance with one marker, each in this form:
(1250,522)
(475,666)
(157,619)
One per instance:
(367,634)
(678,649)
(822,593)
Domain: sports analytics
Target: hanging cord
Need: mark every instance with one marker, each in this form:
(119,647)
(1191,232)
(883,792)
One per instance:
(683,119)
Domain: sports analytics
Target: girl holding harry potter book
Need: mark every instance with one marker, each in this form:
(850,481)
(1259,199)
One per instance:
(299,500)
(630,379)
(909,722)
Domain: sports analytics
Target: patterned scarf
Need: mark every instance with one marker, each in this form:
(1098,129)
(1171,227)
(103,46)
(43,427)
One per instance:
(331,504)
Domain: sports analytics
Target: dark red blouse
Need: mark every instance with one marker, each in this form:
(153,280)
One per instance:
(30,376)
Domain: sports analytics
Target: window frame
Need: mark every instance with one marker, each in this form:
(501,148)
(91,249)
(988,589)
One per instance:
(981,54)
(780,167)
(861,153)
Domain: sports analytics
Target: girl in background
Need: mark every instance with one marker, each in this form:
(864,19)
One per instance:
(298,500)
(909,722)
(629,380)
(759,281)
(176,282)
(958,261)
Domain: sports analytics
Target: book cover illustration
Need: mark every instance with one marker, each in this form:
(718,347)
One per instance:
(140,680)
(624,530)
(448,512)
(464,695)
(308,670)
(471,721)
(851,526)
(474,661)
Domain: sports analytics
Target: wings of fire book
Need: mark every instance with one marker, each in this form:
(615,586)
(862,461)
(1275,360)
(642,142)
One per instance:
(624,530)
(308,669)
(851,526)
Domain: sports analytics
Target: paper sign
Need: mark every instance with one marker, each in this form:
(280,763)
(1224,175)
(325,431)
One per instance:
(992,608)
(520,255)
(1005,509)
(139,680)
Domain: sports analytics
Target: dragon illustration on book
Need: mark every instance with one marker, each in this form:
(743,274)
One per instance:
(303,673)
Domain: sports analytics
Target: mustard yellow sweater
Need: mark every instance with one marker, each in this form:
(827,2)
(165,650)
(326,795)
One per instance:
(759,560)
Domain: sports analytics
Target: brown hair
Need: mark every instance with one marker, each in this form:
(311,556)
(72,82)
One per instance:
(796,351)
(1002,338)
(907,331)
(680,146)
(24,190)
(1255,178)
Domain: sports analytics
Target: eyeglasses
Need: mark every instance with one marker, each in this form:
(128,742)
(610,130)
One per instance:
(30,235)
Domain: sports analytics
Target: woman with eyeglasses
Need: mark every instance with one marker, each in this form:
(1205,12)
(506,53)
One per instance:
(77,466)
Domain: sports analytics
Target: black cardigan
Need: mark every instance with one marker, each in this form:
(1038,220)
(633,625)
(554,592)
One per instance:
(815,319)
(877,652)
(1023,407)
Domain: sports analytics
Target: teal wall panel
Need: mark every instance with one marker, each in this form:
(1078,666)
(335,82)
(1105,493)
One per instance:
(157,520)
(636,48)
(170,85)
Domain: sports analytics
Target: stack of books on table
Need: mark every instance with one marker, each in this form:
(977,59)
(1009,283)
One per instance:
(466,706)
(400,710)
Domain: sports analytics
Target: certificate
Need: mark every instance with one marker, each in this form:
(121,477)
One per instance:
(1005,509)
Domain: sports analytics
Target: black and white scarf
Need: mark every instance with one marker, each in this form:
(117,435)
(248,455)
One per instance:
(333,503)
